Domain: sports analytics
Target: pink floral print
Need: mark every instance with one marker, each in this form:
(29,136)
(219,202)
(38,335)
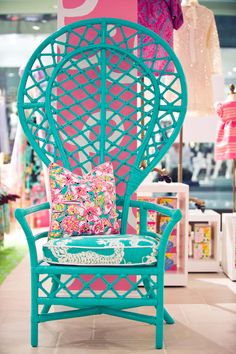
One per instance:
(72,209)
(83,205)
(55,225)
(98,227)
(85,227)
(70,224)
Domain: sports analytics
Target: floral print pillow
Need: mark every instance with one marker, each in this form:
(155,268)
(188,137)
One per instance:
(82,205)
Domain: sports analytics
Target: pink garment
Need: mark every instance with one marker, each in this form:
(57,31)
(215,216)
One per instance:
(160,16)
(225,147)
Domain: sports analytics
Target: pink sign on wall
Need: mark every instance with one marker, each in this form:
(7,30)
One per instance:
(74,10)
(71,11)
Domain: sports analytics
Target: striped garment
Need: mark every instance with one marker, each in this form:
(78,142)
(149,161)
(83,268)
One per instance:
(225,146)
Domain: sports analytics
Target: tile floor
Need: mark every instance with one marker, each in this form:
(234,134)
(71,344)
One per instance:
(205,314)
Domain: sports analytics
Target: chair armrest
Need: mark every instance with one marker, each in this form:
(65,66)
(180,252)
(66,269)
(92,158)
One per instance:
(20,215)
(30,210)
(175,216)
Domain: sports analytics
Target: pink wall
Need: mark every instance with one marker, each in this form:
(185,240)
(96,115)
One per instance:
(70,11)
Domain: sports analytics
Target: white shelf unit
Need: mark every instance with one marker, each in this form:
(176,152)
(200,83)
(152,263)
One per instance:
(211,264)
(229,245)
(181,191)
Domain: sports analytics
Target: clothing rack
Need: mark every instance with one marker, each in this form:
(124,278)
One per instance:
(180,164)
(232,92)
(234,187)
(5,198)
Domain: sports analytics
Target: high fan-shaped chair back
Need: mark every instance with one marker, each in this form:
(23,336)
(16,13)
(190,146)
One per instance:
(88,95)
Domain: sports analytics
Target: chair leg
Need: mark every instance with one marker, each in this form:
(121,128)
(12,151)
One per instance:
(34,333)
(159,327)
(160,314)
(54,287)
(34,309)
(167,317)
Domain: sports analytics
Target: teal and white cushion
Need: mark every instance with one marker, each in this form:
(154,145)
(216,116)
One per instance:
(105,250)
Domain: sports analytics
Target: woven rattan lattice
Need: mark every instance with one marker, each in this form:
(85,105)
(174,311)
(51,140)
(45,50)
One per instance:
(87,96)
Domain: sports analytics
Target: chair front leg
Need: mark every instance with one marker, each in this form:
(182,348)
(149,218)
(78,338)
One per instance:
(34,309)
(167,317)
(55,284)
(160,314)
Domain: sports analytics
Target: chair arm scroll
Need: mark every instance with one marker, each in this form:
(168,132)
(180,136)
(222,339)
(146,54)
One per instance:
(20,215)
(21,212)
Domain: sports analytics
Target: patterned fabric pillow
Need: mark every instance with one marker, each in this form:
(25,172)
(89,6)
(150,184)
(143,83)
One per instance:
(82,205)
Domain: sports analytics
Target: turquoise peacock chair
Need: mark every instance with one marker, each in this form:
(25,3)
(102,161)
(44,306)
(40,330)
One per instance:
(89,95)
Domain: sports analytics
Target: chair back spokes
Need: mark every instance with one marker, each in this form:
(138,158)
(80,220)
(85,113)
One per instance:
(90,94)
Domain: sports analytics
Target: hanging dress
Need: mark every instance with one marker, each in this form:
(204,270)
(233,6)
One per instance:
(160,16)
(225,146)
(196,44)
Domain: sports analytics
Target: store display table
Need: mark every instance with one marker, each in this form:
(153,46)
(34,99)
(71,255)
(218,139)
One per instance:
(229,245)
(204,243)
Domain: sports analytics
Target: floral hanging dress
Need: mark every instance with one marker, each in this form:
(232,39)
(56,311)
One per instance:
(160,16)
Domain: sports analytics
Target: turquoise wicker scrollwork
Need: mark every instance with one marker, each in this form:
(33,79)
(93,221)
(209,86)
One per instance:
(87,96)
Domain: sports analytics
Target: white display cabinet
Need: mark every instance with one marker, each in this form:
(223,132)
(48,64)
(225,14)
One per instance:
(212,263)
(229,245)
(181,191)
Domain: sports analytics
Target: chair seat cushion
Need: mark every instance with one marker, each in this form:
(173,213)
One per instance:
(105,250)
